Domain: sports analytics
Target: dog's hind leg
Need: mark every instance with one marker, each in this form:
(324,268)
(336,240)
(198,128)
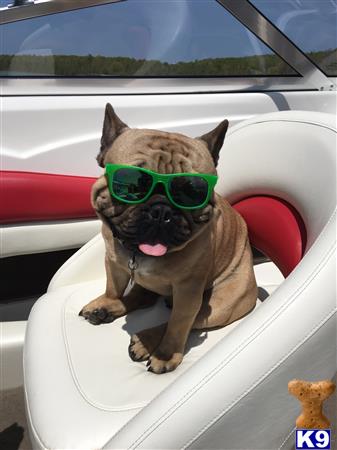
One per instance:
(229,300)
(220,311)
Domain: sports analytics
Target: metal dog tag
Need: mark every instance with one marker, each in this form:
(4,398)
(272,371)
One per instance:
(132,264)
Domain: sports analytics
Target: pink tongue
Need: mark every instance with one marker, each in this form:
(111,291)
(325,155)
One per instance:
(153,250)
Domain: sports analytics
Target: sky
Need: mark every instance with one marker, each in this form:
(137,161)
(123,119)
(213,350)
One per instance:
(169,30)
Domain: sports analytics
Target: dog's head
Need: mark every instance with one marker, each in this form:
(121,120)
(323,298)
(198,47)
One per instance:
(156,225)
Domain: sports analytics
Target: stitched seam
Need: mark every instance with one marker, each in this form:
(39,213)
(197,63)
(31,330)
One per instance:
(255,334)
(287,438)
(30,421)
(323,231)
(208,377)
(71,261)
(73,373)
(262,378)
(76,256)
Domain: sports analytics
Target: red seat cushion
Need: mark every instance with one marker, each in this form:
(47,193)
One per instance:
(27,197)
(275,228)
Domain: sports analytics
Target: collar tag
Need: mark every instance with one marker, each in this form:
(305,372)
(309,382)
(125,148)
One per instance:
(132,265)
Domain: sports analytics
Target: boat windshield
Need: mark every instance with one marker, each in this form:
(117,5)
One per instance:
(310,24)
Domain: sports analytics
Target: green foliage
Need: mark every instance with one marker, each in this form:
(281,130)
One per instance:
(100,66)
(326,60)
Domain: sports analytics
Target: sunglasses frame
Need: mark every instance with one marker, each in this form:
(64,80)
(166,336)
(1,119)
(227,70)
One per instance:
(211,180)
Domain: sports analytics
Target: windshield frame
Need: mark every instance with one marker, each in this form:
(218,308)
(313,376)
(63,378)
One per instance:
(310,76)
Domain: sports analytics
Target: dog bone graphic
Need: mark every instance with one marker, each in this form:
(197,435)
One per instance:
(311,395)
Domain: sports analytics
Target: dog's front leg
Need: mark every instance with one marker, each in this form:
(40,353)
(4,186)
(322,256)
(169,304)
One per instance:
(187,299)
(107,307)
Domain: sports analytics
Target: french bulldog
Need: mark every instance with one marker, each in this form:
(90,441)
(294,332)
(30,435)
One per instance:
(199,259)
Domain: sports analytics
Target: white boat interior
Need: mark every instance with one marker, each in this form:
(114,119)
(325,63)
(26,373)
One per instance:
(66,384)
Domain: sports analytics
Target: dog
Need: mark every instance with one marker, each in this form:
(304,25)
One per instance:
(199,259)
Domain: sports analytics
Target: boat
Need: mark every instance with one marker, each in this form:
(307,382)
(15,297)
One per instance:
(66,384)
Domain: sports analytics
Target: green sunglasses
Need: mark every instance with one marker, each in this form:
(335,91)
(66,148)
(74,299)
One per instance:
(130,184)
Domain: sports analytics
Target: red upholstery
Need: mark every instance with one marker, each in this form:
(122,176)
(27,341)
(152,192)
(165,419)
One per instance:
(276,229)
(27,197)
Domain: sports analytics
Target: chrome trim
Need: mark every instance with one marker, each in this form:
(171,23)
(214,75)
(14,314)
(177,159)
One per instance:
(268,33)
(40,8)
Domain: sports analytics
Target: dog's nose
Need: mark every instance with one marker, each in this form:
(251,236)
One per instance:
(161,213)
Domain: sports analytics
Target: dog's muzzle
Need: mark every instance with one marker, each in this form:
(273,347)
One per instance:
(161,213)
(159,223)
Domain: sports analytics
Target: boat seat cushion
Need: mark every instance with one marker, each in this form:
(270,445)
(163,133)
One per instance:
(82,385)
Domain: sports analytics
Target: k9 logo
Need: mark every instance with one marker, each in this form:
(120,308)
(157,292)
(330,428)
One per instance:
(315,439)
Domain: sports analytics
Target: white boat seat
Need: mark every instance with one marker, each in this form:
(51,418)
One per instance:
(89,375)
(82,390)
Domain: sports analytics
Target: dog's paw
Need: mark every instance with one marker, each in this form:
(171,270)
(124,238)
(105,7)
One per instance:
(158,365)
(102,310)
(137,350)
(97,316)
(101,197)
(145,342)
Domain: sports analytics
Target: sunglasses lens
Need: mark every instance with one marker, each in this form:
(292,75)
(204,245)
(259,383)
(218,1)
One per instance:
(131,184)
(189,191)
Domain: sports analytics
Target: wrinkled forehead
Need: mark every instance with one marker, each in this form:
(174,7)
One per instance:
(161,152)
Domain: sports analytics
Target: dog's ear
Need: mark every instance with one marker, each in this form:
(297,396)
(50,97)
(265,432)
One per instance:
(214,139)
(112,128)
